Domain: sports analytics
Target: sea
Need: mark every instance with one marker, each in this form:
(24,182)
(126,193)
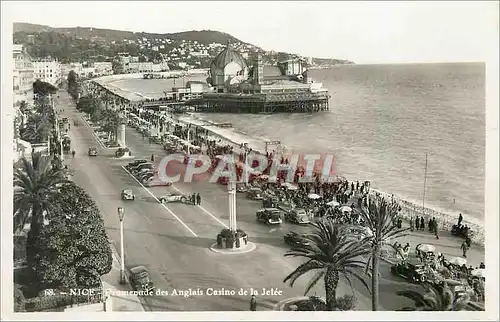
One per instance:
(382,122)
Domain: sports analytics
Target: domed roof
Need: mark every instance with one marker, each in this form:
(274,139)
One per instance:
(226,56)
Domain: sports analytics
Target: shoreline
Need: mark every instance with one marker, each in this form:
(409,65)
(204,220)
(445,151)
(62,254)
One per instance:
(445,218)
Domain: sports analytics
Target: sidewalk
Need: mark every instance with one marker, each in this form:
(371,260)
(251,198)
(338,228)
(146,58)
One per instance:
(110,281)
(448,245)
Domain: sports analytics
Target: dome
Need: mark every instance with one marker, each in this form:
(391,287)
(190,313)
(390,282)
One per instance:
(225,57)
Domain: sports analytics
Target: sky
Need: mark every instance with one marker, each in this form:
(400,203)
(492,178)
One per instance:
(363,32)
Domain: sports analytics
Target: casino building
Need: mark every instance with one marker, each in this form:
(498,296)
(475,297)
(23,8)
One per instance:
(261,88)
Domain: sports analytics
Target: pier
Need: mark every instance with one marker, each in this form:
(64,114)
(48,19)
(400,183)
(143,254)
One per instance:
(261,103)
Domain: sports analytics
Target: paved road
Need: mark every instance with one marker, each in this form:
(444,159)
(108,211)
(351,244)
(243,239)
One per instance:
(172,242)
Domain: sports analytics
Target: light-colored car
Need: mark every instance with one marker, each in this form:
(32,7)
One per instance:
(297,216)
(171,197)
(128,194)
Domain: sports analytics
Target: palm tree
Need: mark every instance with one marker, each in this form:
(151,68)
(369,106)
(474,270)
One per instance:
(35,181)
(329,252)
(379,216)
(111,122)
(36,129)
(437,297)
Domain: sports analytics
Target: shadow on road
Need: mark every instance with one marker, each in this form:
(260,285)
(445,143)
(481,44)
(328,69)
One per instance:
(194,241)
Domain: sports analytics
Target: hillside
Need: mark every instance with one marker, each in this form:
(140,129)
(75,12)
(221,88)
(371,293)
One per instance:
(201,36)
(86,44)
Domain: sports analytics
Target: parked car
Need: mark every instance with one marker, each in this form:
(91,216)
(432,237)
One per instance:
(255,194)
(136,163)
(145,177)
(140,279)
(293,239)
(141,166)
(128,194)
(241,187)
(142,171)
(92,151)
(270,202)
(173,197)
(297,216)
(270,216)
(409,271)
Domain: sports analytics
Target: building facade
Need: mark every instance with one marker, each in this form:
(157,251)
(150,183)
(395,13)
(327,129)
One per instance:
(23,75)
(263,88)
(103,68)
(49,71)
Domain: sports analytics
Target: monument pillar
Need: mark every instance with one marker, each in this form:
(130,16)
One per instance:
(120,131)
(232,205)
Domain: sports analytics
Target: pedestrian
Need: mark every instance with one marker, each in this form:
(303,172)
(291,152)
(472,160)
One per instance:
(412,224)
(431,225)
(417,222)
(464,249)
(253,303)
(422,223)
(198,199)
(460,218)
(152,157)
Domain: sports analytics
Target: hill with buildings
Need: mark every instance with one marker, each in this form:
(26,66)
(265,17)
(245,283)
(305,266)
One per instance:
(188,49)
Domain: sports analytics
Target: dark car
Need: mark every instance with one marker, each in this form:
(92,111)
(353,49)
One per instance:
(270,216)
(142,166)
(254,194)
(409,271)
(140,280)
(136,163)
(293,239)
(92,151)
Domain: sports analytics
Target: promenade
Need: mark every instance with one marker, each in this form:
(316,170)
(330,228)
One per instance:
(173,241)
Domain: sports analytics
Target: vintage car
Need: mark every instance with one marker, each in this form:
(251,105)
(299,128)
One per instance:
(285,206)
(297,216)
(92,151)
(140,280)
(128,194)
(142,166)
(270,216)
(270,202)
(136,163)
(173,197)
(293,239)
(413,272)
(145,176)
(255,194)
(141,171)
(241,187)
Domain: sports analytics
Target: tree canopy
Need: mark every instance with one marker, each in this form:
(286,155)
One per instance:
(73,248)
(73,86)
(43,88)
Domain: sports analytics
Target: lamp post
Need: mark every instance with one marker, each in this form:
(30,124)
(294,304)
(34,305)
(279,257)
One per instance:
(121,214)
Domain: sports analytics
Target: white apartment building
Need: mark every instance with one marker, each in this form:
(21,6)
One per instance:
(146,67)
(23,75)
(103,68)
(49,71)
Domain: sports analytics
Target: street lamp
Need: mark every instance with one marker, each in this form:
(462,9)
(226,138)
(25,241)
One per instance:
(121,214)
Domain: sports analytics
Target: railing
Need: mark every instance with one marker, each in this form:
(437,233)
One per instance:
(410,210)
